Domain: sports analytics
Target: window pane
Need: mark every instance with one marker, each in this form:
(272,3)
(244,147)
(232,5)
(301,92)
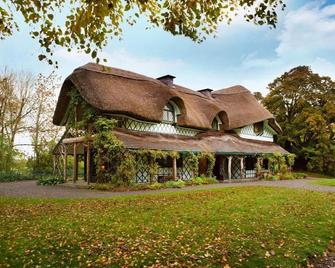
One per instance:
(168,113)
(165,116)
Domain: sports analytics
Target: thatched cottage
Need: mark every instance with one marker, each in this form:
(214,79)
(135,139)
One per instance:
(161,115)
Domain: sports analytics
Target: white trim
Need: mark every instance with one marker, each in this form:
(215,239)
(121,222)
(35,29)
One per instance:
(175,107)
(219,122)
(259,138)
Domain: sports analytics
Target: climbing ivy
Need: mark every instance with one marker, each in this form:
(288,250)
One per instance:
(109,150)
(258,166)
(148,160)
(193,161)
(210,157)
(78,105)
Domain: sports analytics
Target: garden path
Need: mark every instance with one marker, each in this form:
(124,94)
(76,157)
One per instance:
(31,189)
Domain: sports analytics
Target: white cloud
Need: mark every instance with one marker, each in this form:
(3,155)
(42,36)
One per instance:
(307,38)
(308,29)
(151,66)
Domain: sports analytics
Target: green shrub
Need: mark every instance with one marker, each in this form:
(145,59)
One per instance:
(175,184)
(210,180)
(156,186)
(203,180)
(286,176)
(299,175)
(275,177)
(270,177)
(198,181)
(50,181)
(14,176)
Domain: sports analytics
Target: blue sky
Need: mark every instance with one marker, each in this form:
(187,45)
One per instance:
(241,54)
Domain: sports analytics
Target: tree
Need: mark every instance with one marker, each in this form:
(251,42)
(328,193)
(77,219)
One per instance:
(258,96)
(303,103)
(87,25)
(15,107)
(16,103)
(43,132)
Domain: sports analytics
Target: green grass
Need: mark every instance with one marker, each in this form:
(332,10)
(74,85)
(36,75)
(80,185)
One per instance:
(324,182)
(318,175)
(242,226)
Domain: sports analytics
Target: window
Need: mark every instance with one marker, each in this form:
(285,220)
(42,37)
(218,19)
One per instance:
(215,124)
(258,128)
(169,114)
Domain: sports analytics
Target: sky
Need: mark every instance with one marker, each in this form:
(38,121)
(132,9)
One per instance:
(241,54)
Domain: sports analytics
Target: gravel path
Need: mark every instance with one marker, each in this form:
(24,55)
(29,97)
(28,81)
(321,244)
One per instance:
(31,189)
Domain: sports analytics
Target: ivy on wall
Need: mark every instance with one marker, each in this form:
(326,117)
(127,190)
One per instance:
(193,162)
(148,160)
(210,157)
(192,158)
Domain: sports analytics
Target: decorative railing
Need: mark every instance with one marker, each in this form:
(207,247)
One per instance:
(165,128)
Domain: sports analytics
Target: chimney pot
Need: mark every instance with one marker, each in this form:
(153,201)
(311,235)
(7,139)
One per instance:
(206,91)
(167,79)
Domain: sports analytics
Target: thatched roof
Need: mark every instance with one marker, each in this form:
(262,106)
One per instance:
(217,142)
(114,90)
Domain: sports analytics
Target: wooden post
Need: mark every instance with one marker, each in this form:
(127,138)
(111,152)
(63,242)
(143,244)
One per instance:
(75,163)
(229,167)
(65,162)
(242,167)
(174,168)
(88,163)
(259,164)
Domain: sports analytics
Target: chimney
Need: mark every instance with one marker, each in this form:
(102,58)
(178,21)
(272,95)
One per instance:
(206,91)
(167,79)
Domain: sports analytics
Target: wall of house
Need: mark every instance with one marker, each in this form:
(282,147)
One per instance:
(247,132)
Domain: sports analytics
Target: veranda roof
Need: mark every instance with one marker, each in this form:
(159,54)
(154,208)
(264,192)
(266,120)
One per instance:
(218,142)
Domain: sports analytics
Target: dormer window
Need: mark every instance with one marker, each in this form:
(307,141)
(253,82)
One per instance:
(169,114)
(216,123)
(259,128)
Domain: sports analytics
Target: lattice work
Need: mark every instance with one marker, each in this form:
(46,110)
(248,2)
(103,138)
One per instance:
(137,125)
(235,168)
(142,175)
(185,173)
(165,171)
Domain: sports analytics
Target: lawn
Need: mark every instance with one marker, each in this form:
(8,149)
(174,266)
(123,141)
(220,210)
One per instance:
(242,226)
(324,182)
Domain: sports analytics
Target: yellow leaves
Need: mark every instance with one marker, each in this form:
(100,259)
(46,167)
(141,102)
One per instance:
(226,228)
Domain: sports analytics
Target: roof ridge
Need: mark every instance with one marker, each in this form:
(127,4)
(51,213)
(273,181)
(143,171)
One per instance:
(145,78)
(231,93)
